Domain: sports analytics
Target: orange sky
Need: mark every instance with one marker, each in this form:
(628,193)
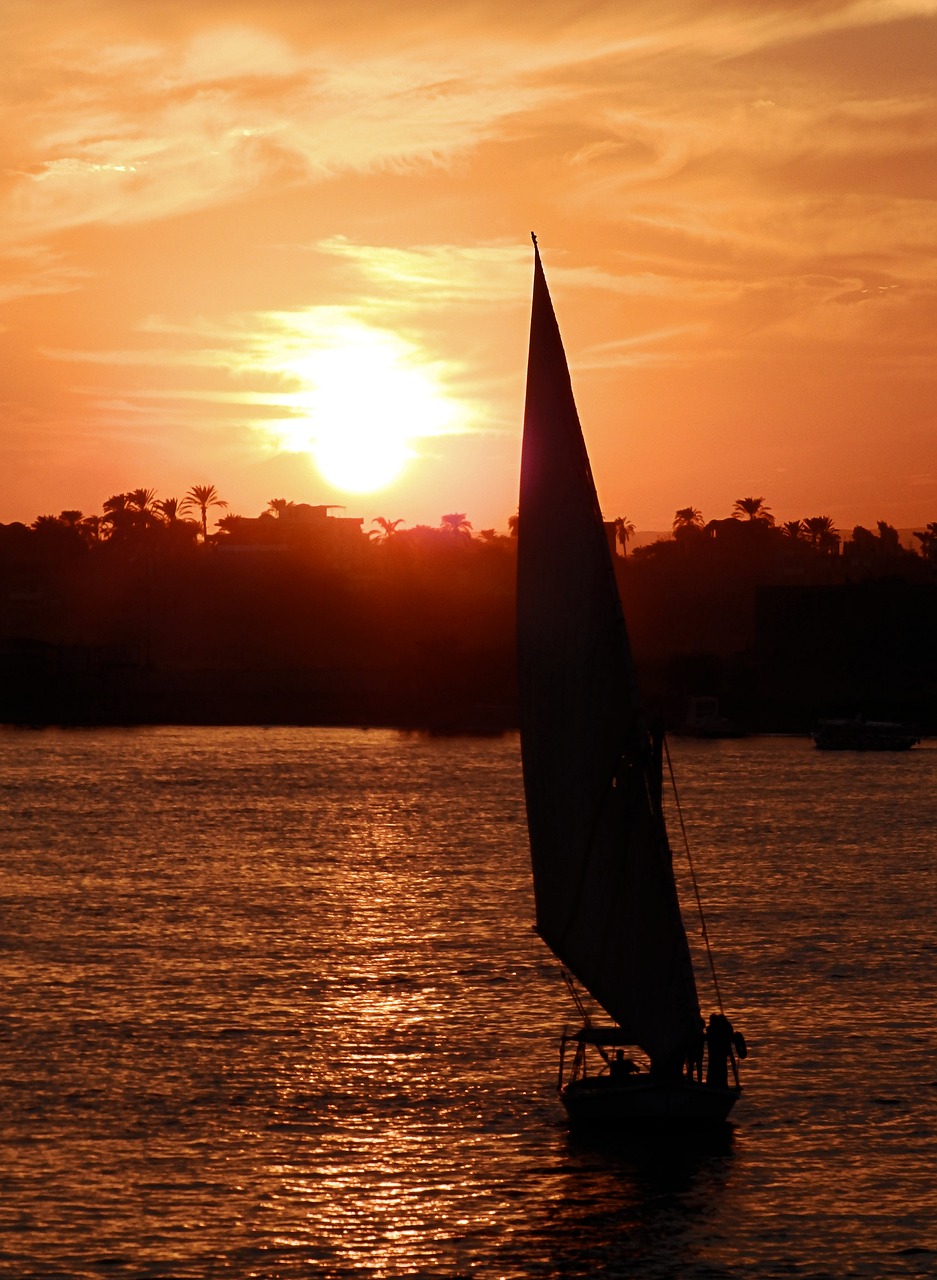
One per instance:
(216,216)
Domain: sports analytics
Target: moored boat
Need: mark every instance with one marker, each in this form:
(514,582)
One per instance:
(703,719)
(860,734)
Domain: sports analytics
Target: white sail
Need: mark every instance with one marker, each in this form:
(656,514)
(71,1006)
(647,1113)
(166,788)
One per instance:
(605,895)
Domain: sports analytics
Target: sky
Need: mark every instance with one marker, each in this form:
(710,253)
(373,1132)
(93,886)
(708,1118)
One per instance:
(283,247)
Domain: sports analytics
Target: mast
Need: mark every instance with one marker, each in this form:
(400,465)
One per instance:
(606,901)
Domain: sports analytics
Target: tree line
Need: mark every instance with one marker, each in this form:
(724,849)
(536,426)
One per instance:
(139,513)
(180,610)
(817,532)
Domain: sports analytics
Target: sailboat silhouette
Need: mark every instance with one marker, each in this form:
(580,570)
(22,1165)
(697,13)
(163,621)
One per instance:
(604,888)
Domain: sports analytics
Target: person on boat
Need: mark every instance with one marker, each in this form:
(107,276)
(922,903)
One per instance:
(621,1067)
(720,1037)
(694,1057)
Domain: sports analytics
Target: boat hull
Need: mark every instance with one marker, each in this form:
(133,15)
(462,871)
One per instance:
(643,1103)
(863,735)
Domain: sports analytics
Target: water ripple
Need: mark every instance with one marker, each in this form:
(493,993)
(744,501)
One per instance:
(272,1006)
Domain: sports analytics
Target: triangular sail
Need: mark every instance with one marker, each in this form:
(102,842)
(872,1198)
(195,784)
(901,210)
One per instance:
(603,881)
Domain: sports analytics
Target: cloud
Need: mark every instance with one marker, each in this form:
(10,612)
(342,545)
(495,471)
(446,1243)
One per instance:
(266,367)
(436,274)
(31,271)
(143,127)
(715,185)
(140,132)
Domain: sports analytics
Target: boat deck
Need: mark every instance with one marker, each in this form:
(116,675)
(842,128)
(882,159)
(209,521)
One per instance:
(643,1101)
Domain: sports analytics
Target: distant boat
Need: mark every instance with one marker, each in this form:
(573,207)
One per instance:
(606,899)
(859,734)
(704,720)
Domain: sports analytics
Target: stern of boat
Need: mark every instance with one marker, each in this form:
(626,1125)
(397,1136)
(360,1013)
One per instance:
(603,1087)
(644,1102)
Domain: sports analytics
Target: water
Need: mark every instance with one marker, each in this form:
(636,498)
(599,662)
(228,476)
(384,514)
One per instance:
(272,1007)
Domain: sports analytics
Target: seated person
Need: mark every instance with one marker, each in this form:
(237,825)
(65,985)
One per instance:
(621,1067)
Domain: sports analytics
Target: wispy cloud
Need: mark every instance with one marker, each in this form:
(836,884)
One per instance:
(33,270)
(150,132)
(194,197)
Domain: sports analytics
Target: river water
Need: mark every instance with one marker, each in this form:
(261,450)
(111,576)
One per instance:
(272,1007)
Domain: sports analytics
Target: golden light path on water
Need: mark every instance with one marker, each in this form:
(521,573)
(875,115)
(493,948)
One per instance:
(273,1006)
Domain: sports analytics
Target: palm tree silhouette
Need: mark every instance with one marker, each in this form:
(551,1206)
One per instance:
(200,497)
(821,533)
(455,523)
(686,522)
(141,499)
(624,531)
(793,529)
(169,509)
(928,540)
(87,527)
(46,523)
(142,502)
(279,506)
(91,528)
(389,527)
(118,514)
(754,508)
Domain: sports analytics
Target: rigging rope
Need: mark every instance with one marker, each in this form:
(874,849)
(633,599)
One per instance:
(689,858)
(583,1011)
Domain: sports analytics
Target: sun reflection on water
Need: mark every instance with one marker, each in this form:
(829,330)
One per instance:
(323,1041)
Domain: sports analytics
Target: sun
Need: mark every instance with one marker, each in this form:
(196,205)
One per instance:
(365,396)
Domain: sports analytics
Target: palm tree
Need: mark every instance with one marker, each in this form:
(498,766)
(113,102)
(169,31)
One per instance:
(624,531)
(45,524)
(169,509)
(687,522)
(141,499)
(456,523)
(822,534)
(91,527)
(87,527)
(182,532)
(754,508)
(200,497)
(389,527)
(118,514)
(793,529)
(230,523)
(279,506)
(928,540)
(142,502)
(688,518)
(58,533)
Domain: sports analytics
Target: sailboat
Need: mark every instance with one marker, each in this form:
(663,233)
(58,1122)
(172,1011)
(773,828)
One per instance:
(604,887)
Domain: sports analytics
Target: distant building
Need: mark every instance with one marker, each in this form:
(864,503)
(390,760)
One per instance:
(299,525)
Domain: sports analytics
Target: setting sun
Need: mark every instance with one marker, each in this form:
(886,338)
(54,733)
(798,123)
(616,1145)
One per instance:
(282,248)
(364,397)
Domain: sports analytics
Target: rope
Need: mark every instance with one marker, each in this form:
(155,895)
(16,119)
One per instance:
(699,901)
(571,986)
(583,1011)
